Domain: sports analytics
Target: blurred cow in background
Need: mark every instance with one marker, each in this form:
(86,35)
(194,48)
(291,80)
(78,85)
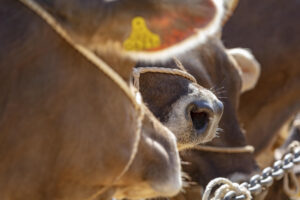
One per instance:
(269,29)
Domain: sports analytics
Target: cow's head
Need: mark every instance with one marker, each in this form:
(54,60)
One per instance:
(155,31)
(215,67)
(229,73)
(152,32)
(190,111)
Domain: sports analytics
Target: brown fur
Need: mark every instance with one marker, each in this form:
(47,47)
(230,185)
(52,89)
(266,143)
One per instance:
(110,24)
(67,130)
(269,29)
(98,23)
(169,97)
(213,68)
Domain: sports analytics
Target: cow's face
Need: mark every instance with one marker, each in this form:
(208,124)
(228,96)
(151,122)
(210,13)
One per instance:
(214,67)
(190,111)
(144,30)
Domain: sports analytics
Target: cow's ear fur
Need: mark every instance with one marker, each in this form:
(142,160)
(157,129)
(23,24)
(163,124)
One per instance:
(230,6)
(248,67)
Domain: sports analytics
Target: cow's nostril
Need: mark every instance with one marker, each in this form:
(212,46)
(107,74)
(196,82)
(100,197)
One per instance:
(200,120)
(200,113)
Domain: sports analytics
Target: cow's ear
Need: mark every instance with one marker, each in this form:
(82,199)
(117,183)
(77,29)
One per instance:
(248,67)
(230,6)
(173,28)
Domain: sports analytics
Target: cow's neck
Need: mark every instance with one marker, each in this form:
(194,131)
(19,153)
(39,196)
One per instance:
(117,61)
(40,67)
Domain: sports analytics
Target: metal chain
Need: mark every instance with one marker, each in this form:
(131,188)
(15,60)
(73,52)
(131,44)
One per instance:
(259,183)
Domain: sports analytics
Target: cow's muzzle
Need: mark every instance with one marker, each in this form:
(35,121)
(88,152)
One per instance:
(204,116)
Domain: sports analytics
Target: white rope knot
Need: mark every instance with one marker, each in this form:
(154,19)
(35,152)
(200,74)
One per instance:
(224,186)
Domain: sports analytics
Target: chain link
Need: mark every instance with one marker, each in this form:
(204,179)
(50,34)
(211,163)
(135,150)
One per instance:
(259,183)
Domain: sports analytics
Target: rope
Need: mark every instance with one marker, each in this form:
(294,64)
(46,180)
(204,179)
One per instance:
(179,64)
(182,72)
(141,70)
(132,156)
(131,93)
(244,149)
(224,186)
(108,71)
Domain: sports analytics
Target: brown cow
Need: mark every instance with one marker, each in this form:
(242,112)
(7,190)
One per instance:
(269,29)
(157,23)
(234,71)
(60,137)
(215,67)
(40,87)
(230,72)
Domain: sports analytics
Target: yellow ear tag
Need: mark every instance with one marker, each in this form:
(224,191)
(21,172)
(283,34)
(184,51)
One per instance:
(141,37)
